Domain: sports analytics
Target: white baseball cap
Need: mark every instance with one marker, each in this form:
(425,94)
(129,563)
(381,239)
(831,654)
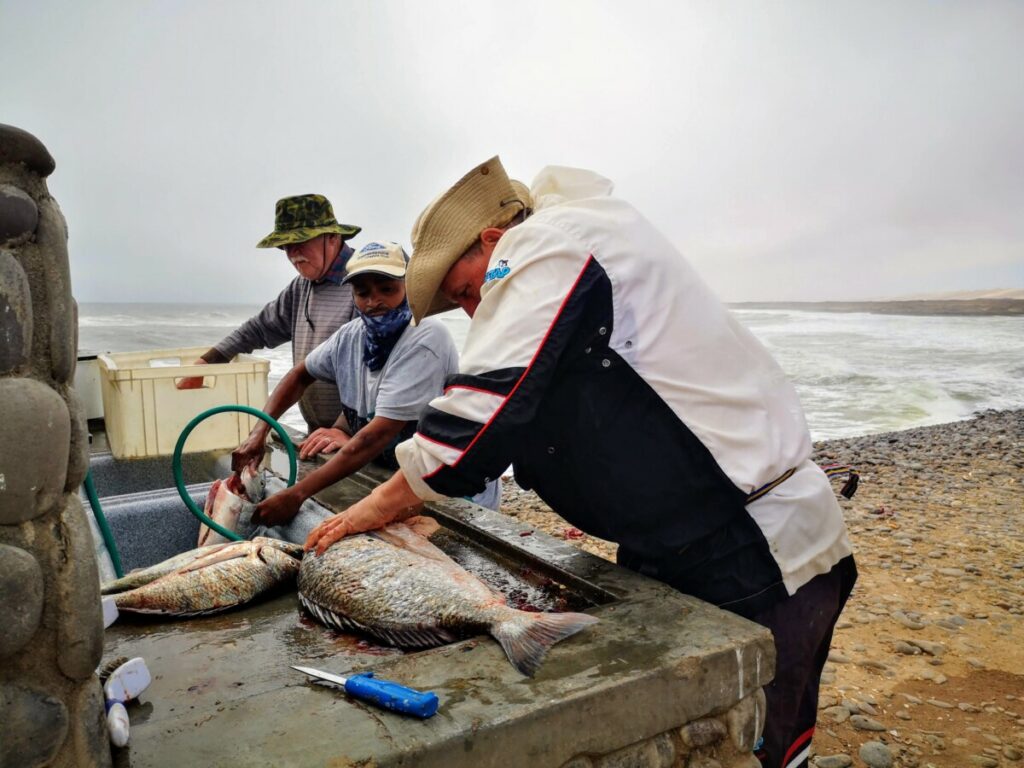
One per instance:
(378,258)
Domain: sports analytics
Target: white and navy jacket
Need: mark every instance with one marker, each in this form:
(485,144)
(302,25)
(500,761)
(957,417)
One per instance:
(602,367)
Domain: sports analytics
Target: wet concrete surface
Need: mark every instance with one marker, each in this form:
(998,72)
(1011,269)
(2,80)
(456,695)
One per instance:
(224,694)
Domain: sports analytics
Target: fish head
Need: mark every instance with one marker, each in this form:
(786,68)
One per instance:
(282,566)
(254,484)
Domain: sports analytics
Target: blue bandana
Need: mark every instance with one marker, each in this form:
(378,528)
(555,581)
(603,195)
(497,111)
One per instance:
(382,333)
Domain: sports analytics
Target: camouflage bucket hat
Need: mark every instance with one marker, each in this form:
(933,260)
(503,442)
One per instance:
(303,217)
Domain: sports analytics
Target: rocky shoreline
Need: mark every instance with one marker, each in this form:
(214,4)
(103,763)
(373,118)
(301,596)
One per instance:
(927,663)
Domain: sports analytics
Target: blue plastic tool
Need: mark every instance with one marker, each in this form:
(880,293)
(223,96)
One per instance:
(383,693)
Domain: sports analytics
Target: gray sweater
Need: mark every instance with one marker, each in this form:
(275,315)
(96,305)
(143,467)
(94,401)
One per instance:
(284,319)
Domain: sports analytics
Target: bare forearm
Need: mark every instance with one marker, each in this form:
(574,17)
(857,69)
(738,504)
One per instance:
(285,395)
(365,445)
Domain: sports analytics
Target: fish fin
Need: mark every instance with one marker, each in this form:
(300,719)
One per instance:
(404,537)
(294,550)
(527,637)
(421,637)
(220,556)
(423,525)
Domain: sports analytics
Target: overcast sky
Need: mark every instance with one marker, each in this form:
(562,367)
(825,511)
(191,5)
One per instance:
(792,150)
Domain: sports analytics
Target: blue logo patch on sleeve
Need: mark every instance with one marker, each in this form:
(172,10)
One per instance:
(500,271)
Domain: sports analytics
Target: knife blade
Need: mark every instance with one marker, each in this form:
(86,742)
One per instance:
(383,693)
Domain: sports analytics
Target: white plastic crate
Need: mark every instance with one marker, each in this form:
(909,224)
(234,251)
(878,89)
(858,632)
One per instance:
(145,413)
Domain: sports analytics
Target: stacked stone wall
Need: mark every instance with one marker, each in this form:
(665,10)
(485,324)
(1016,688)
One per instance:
(51,627)
(722,741)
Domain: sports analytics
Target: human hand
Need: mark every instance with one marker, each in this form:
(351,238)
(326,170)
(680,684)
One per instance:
(249,452)
(278,509)
(329,531)
(191,382)
(323,440)
(364,515)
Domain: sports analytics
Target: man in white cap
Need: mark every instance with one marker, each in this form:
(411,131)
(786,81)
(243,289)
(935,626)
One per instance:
(601,366)
(384,371)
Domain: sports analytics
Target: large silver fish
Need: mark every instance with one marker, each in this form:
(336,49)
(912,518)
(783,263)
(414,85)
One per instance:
(397,586)
(219,579)
(228,499)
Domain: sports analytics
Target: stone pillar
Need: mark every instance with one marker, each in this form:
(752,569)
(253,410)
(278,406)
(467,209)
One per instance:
(51,626)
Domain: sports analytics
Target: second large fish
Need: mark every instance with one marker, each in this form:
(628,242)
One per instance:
(218,579)
(396,585)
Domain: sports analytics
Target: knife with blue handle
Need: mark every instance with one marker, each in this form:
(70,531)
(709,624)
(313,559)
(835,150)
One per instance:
(383,693)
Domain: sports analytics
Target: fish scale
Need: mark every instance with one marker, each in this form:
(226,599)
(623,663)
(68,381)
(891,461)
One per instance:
(396,585)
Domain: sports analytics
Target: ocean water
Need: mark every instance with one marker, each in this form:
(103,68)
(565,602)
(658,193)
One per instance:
(856,373)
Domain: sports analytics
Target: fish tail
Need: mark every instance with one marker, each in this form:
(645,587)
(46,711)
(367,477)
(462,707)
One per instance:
(527,637)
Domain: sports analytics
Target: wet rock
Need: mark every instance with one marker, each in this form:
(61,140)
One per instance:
(932,649)
(15,315)
(658,752)
(906,620)
(865,723)
(702,733)
(52,239)
(89,738)
(33,727)
(876,754)
(1010,752)
(936,677)
(837,714)
(745,721)
(80,627)
(18,146)
(34,435)
(21,598)
(700,761)
(78,451)
(907,649)
(18,215)
(833,761)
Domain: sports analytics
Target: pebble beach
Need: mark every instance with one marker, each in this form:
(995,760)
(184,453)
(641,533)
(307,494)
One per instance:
(927,661)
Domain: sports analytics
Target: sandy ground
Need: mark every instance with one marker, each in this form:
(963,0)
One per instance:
(927,662)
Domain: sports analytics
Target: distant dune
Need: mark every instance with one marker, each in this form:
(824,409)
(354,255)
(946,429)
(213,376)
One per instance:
(963,305)
(992,293)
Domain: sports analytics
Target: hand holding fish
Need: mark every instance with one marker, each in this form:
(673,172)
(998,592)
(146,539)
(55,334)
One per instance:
(323,440)
(389,502)
(250,453)
(279,508)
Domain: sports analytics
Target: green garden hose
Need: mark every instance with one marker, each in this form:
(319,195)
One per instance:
(101,521)
(176,460)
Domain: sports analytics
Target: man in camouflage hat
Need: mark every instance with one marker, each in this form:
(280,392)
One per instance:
(312,307)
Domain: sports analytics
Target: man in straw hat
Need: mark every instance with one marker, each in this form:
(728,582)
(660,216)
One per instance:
(313,305)
(622,391)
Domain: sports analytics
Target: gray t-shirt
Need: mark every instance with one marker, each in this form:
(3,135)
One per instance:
(414,374)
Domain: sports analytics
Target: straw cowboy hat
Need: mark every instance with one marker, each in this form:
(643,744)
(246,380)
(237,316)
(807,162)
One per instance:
(303,217)
(484,197)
